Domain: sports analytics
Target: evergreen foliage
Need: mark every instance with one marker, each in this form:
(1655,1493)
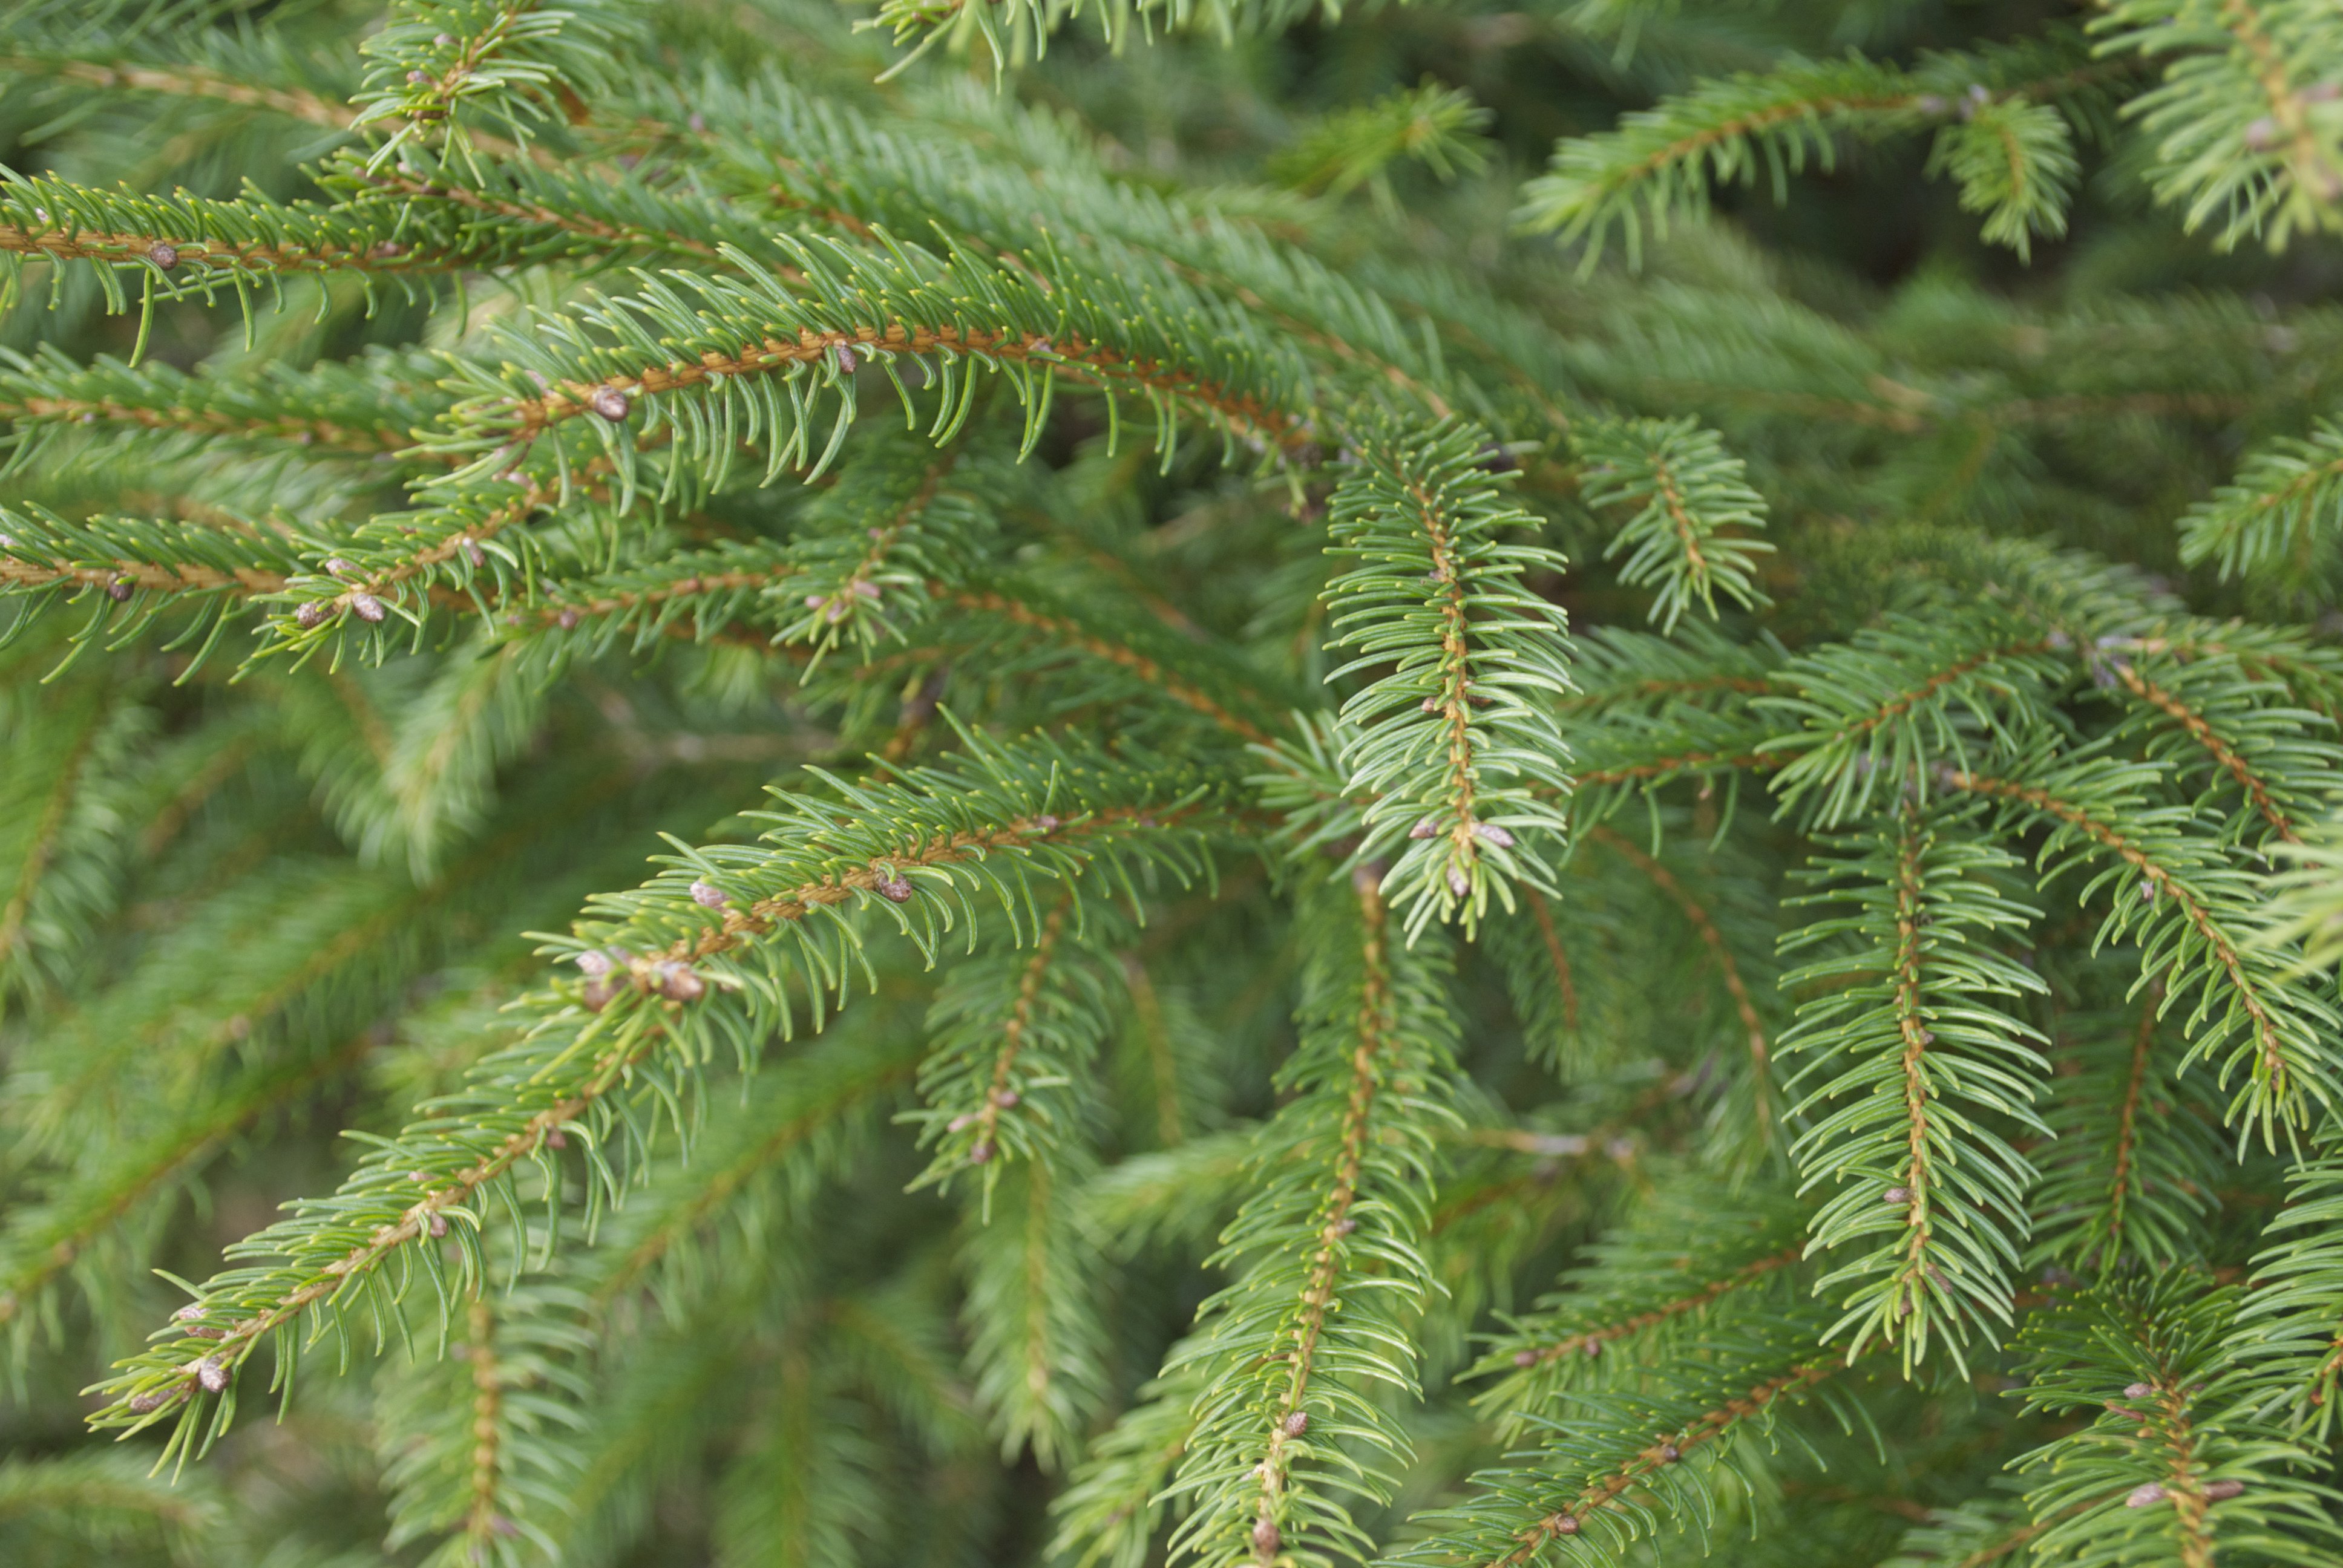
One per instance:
(1058,783)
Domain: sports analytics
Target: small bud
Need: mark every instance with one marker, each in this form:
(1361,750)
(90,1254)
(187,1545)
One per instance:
(1526,1358)
(1930,103)
(678,983)
(1458,883)
(117,590)
(1047,823)
(610,403)
(2262,135)
(868,591)
(368,607)
(846,359)
(1566,1525)
(837,611)
(417,77)
(341,567)
(695,124)
(896,889)
(310,616)
(1425,828)
(1006,1099)
(1430,705)
(2216,1491)
(1896,1197)
(1594,1348)
(2145,1496)
(1040,345)
(148,1404)
(960,1123)
(709,896)
(1266,1538)
(556,1139)
(596,994)
(211,1375)
(1344,1226)
(390,250)
(568,619)
(473,553)
(594,961)
(1489,832)
(444,39)
(420,1178)
(163,254)
(1297,1423)
(2138,1390)
(981,1154)
(193,1310)
(1670,1453)
(436,1222)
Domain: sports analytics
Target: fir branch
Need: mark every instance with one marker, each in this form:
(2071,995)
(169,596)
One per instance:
(190,247)
(1038,1336)
(899,302)
(1333,1243)
(1889,703)
(1687,491)
(1014,1035)
(2178,1464)
(2260,747)
(688,978)
(1453,743)
(2125,1174)
(2245,132)
(181,79)
(1623,1461)
(1644,1288)
(2278,515)
(2191,913)
(1108,1513)
(1914,1058)
(2291,1325)
(330,410)
(481,1445)
(517,61)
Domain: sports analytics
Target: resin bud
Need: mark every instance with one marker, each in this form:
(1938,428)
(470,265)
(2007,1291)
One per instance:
(609,403)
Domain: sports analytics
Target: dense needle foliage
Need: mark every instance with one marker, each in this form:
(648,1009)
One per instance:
(1215,783)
